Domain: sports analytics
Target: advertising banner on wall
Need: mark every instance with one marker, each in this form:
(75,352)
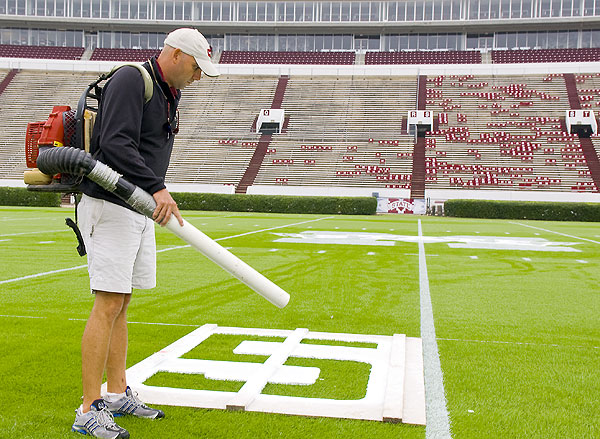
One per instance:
(400,205)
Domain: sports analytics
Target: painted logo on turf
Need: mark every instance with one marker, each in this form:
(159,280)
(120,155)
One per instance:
(459,241)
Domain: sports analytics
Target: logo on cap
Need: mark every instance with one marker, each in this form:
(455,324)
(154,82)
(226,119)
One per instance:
(209,52)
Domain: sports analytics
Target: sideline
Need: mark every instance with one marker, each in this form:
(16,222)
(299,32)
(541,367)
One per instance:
(46,273)
(438,421)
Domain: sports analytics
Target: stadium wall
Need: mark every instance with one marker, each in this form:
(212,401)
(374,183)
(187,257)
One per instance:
(325,70)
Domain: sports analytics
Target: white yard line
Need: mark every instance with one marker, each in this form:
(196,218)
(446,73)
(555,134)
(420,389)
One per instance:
(45,273)
(21,219)
(520,343)
(141,323)
(557,233)
(438,421)
(190,325)
(36,232)
(273,228)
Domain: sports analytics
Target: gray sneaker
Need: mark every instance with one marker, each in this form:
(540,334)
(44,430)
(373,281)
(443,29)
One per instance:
(98,422)
(130,404)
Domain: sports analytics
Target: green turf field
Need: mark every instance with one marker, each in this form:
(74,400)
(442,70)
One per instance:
(518,330)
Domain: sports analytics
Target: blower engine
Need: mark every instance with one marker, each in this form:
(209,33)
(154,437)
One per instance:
(64,127)
(69,127)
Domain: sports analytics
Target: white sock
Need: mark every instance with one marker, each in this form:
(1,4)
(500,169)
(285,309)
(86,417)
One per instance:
(112,397)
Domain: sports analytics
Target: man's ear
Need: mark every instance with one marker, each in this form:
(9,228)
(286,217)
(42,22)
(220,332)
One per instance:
(176,54)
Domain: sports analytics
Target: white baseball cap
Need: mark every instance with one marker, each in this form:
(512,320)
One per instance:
(193,43)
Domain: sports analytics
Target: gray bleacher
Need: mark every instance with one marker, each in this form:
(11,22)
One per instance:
(335,128)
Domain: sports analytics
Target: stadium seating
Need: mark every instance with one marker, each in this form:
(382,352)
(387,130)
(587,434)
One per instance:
(503,132)
(424,57)
(343,132)
(40,52)
(215,143)
(491,132)
(255,57)
(545,55)
(134,55)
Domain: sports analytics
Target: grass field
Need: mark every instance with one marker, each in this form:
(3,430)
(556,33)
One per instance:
(518,331)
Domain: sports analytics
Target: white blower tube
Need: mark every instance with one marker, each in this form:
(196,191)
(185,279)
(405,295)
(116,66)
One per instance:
(78,162)
(229,262)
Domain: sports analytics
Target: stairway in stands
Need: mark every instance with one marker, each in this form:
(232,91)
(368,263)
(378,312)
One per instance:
(263,143)
(9,77)
(587,147)
(417,187)
(571,86)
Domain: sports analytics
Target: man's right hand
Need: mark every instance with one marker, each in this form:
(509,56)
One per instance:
(165,206)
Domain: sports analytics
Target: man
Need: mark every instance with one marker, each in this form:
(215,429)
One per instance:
(135,138)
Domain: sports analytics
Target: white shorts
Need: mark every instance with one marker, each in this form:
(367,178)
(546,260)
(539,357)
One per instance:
(120,246)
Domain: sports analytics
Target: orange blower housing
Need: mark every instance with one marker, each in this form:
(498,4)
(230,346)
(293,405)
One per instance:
(59,130)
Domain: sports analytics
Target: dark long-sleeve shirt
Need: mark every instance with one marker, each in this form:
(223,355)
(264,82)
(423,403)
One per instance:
(131,136)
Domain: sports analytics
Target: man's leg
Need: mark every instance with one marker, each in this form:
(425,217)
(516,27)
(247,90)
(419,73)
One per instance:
(116,363)
(96,342)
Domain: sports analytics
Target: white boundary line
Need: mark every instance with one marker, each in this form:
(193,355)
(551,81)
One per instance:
(31,276)
(438,422)
(557,233)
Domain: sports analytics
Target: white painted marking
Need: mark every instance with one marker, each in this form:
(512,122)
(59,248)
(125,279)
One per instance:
(581,261)
(388,239)
(438,422)
(322,251)
(144,323)
(371,253)
(273,249)
(273,228)
(391,230)
(507,233)
(527,259)
(32,276)
(21,317)
(34,233)
(364,228)
(474,257)
(364,340)
(5,240)
(46,242)
(556,233)
(257,375)
(21,219)
(520,343)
